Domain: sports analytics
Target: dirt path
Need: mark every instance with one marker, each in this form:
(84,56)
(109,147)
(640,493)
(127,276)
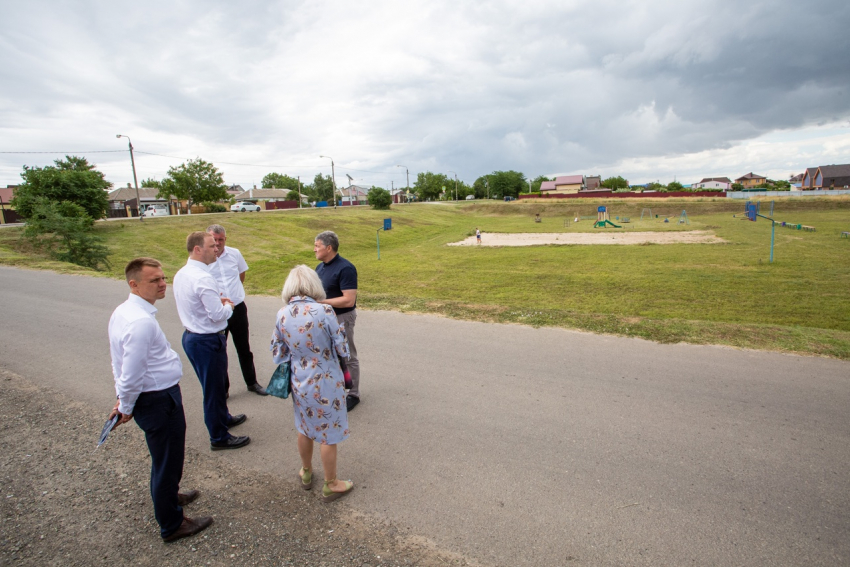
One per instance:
(63,504)
(608,237)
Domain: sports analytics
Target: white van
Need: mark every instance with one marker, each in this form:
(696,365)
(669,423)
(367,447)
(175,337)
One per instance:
(157,210)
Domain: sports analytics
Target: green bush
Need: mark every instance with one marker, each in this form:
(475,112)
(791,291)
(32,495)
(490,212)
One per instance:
(64,231)
(379,199)
(214,207)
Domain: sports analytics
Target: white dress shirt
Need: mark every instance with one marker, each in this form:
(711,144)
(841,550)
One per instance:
(142,358)
(199,300)
(226,270)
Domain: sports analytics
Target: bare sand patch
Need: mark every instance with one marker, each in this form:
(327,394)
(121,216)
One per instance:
(567,238)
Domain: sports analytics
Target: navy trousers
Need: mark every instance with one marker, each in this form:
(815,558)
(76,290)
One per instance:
(208,355)
(160,416)
(237,327)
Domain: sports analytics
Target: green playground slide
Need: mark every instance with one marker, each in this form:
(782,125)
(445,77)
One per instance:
(601,224)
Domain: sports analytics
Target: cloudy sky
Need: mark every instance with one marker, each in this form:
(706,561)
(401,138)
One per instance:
(650,90)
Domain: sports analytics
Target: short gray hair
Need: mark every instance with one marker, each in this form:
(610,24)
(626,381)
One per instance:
(303,280)
(329,238)
(216,229)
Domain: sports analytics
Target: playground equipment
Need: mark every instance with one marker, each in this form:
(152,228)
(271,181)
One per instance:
(388,225)
(751,212)
(684,218)
(647,212)
(602,218)
(537,217)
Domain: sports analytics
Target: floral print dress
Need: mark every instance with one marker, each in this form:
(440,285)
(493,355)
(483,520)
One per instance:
(308,334)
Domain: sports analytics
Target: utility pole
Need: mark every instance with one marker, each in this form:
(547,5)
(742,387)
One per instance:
(408,180)
(135,181)
(455,184)
(333,177)
(300,200)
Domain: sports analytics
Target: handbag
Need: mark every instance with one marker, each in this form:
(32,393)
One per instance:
(279,384)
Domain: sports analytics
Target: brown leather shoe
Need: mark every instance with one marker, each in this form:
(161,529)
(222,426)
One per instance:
(184,498)
(189,527)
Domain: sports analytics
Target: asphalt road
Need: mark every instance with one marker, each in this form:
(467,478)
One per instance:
(519,446)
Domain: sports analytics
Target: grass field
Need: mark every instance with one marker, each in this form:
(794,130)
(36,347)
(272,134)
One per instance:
(700,293)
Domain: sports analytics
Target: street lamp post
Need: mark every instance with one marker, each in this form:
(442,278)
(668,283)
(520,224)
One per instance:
(455,184)
(407,171)
(333,176)
(135,180)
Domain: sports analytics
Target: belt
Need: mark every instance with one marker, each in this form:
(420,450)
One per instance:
(222,332)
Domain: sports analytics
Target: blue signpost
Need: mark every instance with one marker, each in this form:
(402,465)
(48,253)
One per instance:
(388,225)
(753,213)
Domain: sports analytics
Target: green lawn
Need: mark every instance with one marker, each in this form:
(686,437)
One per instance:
(699,293)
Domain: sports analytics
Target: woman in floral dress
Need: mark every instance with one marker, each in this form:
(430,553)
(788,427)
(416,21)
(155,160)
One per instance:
(308,335)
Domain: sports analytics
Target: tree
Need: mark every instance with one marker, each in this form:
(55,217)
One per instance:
(655,187)
(500,184)
(615,183)
(379,199)
(675,186)
(64,230)
(428,186)
(538,181)
(151,182)
(280,181)
(323,188)
(195,181)
(293,196)
(737,187)
(72,180)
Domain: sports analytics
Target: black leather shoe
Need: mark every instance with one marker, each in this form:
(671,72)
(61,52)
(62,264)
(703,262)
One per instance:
(236,420)
(189,527)
(232,443)
(257,389)
(351,402)
(184,498)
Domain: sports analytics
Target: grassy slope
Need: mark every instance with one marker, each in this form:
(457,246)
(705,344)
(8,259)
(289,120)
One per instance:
(721,294)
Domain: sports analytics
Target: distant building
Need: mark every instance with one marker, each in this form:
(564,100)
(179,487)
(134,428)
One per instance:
(354,193)
(751,180)
(564,185)
(234,190)
(796,180)
(832,177)
(808,181)
(721,183)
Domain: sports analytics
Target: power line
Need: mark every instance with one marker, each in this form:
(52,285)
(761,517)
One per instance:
(84,152)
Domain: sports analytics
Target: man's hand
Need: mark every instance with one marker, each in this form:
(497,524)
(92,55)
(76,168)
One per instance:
(124,417)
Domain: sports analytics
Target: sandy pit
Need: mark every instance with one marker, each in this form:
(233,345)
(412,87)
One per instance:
(568,238)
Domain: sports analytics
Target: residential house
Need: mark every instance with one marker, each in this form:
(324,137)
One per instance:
(832,177)
(354,194)
(593,182)
(7,213)
(124,198)
(808,181)
(564,185)
(751,180)
(234,190)
(721,183)
(263,196)
(796,180)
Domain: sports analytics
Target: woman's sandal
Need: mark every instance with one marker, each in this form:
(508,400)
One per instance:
(329,495)
(306,478)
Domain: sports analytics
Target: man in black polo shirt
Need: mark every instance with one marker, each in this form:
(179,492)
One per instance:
(339,278)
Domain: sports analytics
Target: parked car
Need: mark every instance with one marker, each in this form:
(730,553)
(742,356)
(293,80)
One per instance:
(470,197)
(157,210)
(509,198)
(243,206)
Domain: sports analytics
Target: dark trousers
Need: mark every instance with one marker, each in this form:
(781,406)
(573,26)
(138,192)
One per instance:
(208,355)
(160,416)
(237,327)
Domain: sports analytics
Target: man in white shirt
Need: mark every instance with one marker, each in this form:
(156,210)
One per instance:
(204,312)
(147,374)
(229,271)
